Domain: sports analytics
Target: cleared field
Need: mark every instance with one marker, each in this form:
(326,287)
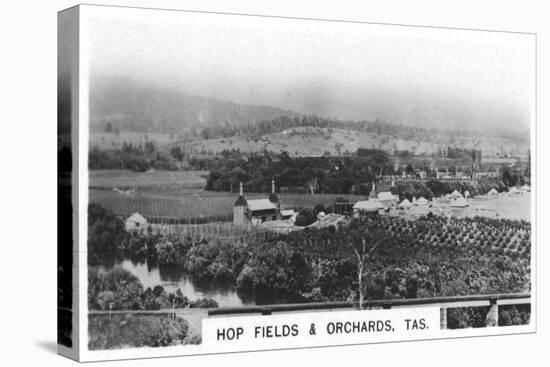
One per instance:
(197,208)
(150,180)
(315,141)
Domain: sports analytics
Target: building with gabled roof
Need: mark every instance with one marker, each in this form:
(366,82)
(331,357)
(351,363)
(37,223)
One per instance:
(256,210)
(136,223)
(405,204)
(387,198)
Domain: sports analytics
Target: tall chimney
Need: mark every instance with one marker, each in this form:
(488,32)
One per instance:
(241,189)
(272,186)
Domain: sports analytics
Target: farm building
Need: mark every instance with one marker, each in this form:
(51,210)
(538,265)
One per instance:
(287,214)
(422,201)
(387,198)
(405,204)
(257,210)
(262,209)
(136,223)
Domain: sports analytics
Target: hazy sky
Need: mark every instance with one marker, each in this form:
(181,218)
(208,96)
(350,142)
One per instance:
(410,75)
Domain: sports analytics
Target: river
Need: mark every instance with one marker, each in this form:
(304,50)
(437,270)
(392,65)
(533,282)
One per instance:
(223,292)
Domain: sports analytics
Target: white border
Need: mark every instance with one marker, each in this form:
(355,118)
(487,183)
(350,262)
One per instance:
(86,355)
(84,136)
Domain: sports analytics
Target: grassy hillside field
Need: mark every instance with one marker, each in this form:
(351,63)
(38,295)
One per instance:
(308,141)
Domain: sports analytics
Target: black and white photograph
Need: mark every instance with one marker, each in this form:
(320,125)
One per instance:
(243,165)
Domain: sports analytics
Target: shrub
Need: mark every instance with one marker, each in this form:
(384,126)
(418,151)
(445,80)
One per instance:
(305,218)
(119,331)
(204,303)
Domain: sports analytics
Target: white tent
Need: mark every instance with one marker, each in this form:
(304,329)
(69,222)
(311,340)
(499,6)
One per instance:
(492,192)
(526,188)
(514,191)
(466,194)
(405,204)
(455,194)
(459,203)
(368,205)
(422,201)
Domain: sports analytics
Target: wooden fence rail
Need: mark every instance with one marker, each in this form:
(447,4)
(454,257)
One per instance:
(444,303)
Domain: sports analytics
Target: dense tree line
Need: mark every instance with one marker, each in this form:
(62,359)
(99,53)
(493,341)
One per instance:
(334,175)
(282,123)
(511,178)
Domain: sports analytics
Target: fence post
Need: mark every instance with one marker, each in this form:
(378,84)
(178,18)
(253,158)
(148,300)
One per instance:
(492,315)
(173,311)
(443,318)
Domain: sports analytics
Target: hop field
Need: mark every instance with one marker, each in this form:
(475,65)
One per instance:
(197,207)
(228,231)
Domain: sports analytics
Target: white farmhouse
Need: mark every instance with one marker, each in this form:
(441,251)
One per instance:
(136,223)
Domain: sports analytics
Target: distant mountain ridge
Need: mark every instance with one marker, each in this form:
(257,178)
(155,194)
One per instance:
(123,104)
(130,105)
